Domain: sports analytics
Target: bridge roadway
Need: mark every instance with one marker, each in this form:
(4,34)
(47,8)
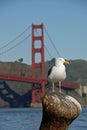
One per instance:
(31,80)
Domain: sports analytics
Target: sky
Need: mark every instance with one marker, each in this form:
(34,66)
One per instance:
(64,20)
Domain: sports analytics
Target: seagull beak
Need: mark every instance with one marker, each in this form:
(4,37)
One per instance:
(66,62)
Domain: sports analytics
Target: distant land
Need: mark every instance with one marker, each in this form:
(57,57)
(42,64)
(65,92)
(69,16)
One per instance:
(18,94)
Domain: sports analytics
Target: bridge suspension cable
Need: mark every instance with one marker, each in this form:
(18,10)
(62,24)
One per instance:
(13,40)
(52,42)
(48,52)
(20,42)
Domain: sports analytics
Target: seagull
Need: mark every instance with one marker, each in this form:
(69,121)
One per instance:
(57,73)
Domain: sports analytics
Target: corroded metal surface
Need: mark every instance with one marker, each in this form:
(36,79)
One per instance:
(59,110)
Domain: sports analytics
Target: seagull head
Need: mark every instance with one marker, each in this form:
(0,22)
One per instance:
(60,61)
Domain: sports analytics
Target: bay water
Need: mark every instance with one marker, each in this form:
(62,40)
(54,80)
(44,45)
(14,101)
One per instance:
(30,119)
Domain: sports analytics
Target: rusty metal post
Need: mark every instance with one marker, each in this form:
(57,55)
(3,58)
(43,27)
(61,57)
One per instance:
(59,110)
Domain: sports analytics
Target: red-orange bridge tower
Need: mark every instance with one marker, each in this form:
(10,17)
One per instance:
(35,65)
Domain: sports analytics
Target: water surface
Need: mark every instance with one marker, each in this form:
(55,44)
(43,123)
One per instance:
(30,118)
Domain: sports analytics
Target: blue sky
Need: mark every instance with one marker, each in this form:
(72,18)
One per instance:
(65,21)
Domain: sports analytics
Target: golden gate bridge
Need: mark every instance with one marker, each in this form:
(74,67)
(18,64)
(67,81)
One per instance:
(38,85)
